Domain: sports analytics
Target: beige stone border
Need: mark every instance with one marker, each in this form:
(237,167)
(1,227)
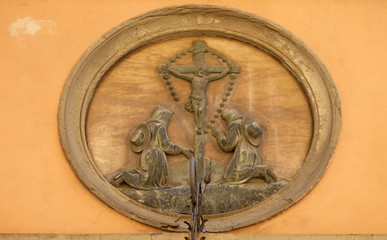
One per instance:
(198,20)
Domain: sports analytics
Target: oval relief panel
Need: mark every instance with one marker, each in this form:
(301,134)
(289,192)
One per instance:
(246,99)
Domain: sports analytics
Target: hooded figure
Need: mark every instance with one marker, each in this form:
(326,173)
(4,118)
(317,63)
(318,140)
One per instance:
(243,137)
(152,142)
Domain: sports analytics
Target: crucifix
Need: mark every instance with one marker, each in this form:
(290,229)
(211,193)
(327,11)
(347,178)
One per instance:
(199,81)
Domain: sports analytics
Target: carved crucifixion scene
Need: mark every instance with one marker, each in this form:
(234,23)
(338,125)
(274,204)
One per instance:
(236,110)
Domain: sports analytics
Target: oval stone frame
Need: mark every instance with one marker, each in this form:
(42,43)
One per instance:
(198,20)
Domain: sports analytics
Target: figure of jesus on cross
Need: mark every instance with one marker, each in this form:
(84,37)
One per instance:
(197,101)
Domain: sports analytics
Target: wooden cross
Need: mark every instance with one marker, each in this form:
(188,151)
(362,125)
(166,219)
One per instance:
(199,85)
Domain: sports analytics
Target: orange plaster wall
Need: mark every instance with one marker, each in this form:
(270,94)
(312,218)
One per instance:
(39,193)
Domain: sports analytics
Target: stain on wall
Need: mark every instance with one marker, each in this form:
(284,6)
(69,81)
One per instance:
(30,26)
(42,40)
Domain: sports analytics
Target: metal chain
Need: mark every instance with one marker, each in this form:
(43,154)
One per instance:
(166,76)
(227,91)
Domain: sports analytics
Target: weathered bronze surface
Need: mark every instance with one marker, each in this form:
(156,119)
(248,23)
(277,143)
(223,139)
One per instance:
(151,141)
(197,221)
(197,100)
(244,189)
(242,137)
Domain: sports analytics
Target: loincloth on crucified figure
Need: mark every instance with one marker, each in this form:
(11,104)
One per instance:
(196,105)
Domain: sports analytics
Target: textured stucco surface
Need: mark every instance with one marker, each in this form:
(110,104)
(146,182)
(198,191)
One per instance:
(42,40)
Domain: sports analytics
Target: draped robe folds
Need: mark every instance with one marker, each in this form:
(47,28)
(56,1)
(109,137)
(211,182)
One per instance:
(245,161)
(152,166)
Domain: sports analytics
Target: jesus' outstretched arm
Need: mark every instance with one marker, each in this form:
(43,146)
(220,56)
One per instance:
(220,75)
(180,75)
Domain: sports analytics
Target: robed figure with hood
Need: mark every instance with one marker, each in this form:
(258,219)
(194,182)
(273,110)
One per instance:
(151,141)
(243,136)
